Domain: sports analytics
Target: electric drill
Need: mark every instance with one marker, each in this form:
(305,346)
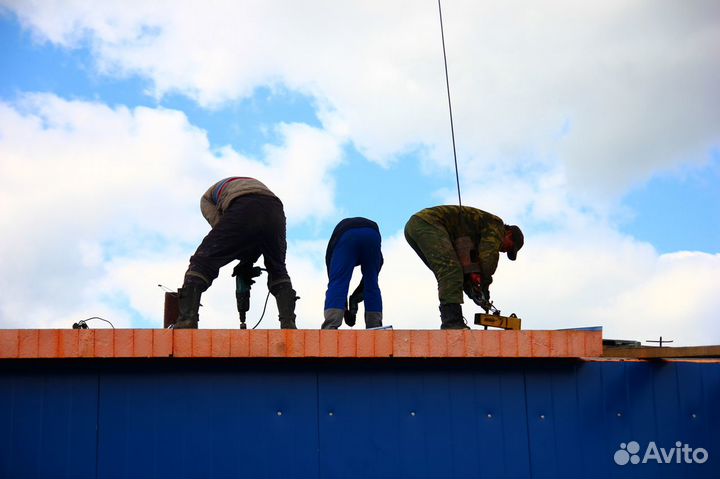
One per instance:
(244,274)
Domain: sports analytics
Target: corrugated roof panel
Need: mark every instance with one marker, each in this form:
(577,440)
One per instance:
(311,417)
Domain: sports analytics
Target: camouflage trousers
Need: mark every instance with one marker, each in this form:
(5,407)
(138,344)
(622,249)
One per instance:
(435,248)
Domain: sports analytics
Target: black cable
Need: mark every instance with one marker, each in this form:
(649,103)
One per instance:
(263,312)
(81,324)
(447,84)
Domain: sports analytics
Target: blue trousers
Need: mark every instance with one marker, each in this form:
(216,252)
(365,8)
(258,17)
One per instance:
(356,247)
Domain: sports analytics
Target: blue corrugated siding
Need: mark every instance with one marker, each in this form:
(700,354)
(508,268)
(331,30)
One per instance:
(48,424)
(349,418)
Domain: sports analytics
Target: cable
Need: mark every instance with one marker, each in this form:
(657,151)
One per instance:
(167,290)
(447,84)
(263,311)
(81,324)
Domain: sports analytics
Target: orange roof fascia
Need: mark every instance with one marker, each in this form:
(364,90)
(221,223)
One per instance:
(301,343)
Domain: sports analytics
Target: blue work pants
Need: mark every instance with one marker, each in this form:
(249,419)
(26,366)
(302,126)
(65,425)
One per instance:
(356,247)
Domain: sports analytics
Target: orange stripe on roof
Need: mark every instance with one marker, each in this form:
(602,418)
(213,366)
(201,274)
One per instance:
(223,343)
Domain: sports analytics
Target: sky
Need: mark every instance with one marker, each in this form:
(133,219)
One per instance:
(593,126)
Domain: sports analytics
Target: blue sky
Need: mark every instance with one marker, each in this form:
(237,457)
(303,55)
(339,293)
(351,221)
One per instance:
(605,149)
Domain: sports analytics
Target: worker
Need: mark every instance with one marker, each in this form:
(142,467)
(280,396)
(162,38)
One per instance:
(354,241)
(247,221)
(461,246)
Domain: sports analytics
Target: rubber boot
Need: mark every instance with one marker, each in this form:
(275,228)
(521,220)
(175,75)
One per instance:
(373,320)
(286,297)
(188,306)
(333,318)
(451,317)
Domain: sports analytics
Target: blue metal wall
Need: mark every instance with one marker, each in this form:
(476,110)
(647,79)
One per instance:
(350,418)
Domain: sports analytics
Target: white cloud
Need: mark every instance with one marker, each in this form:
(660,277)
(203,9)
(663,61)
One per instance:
(99,206)
(85,187)
(137,280)
(298,170)
(614,91)
(590,278)
(595,278)
(552,103)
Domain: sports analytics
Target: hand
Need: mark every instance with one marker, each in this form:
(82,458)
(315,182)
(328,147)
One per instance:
(481,301)
(478,290)
(473,286)
(247,272)
(350,314)
(350,317)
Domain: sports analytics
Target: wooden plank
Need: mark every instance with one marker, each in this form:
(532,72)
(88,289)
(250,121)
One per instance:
(206,343)
(646,352)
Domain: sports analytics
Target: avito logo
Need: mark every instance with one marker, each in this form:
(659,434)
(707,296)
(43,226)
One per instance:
(681,453)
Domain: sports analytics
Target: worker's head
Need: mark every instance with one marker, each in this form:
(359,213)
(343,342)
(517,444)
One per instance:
(512,241)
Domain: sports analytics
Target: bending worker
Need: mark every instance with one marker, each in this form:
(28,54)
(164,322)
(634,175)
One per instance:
(247,221)
(354,241)
(461,246)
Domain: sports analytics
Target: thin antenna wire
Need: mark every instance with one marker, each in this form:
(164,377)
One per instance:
(447,83)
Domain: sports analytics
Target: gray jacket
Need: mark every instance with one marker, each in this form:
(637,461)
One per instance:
(219,196)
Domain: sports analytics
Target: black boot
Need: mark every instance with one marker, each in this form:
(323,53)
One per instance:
(451,317)
(286,297)
(188,306)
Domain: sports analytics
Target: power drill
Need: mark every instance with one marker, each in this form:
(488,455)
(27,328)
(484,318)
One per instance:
(244,274)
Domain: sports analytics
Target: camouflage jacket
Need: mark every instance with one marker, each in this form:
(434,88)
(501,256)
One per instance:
(219,196)
(484,230)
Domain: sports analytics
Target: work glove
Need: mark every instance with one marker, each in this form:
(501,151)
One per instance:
(247,272)
(478,290)
(350,317)
(350,314)
(355,299)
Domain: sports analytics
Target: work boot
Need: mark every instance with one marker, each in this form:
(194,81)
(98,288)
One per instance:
(333,318)
(286,297)
(188,306)
(451,317)
(373,320)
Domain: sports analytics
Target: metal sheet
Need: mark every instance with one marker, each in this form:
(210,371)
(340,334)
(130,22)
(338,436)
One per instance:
(48,424)
(377,418)
(202,423)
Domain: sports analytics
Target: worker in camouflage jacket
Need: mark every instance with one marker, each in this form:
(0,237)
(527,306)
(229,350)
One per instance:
(247,221)
(461,246)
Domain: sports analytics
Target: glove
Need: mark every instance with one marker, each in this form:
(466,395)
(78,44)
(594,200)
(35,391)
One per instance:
(473,286)
(247,272)
(356,298)
(350,317)
(477,290)
(350,314)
